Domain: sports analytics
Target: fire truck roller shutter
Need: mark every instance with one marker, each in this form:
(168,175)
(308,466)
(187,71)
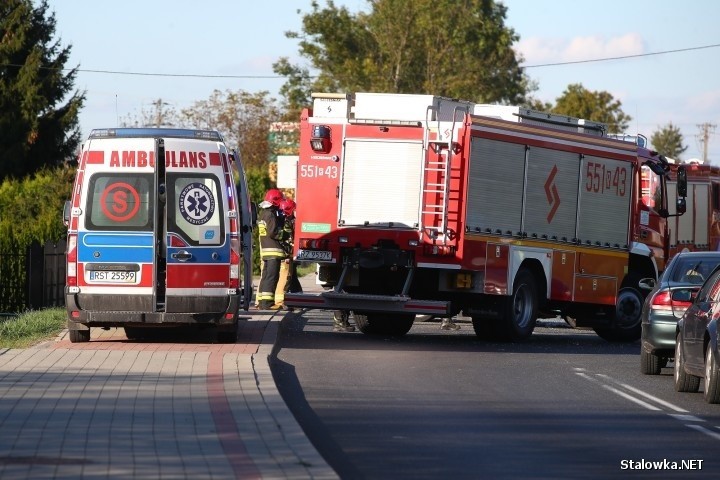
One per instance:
(377,175)
(489,206)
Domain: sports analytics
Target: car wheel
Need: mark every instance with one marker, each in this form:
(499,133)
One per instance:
(79,336)
(650,364)
(684,382)
(712,377)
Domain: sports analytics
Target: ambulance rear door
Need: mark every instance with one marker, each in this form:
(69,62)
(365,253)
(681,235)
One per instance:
(195,258)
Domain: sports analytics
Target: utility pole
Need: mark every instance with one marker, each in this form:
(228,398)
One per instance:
(706,127)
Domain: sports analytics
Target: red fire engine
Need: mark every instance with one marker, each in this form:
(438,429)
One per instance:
(699,227)
(418,204)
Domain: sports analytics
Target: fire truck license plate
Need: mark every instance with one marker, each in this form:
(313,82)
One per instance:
(314,255)
(112,277)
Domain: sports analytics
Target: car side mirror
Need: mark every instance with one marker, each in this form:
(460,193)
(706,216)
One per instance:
(647,283)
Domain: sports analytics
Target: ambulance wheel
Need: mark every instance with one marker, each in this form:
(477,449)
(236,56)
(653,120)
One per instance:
(133,333)
(227,335)
(520,309)
(385,324)
(79,336)
(628,317)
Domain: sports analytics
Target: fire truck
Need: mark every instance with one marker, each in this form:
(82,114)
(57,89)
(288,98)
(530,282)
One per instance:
(699,228)
(424,205)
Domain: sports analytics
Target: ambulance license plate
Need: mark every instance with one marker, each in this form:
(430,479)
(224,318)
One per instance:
(112,276)
(314,255)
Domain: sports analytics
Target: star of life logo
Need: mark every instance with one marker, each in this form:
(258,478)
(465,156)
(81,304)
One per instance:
(196,203)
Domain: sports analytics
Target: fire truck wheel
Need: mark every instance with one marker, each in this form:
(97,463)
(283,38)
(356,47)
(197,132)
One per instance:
(520,310)
(484,327)
(385,324)
(628,313)
(79,336)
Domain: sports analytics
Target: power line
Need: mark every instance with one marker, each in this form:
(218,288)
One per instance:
(191,75)
(607,59)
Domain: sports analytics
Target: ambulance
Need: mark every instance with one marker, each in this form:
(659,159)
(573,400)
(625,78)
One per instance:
(159,233)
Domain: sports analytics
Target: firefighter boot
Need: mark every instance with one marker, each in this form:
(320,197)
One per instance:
(340,321)
(448,324)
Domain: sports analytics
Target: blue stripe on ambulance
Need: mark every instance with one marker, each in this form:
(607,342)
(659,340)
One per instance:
(203,254)
(114,247)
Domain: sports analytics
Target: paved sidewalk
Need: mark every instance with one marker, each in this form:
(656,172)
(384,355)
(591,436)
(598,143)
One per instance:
(111,408)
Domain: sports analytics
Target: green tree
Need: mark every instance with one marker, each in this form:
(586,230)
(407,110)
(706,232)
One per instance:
(577,101)
(453,48)
(36,128)
(243,118)
(31,207)
(668,141)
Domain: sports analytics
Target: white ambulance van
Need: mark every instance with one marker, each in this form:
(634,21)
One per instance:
(159,233)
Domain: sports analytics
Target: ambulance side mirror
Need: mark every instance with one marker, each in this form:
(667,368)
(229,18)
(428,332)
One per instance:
(66,212)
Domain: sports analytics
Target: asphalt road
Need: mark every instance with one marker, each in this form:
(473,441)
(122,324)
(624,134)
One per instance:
(436,404)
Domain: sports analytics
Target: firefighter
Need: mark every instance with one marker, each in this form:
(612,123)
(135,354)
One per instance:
(270,230)
(341,321)
(288,270)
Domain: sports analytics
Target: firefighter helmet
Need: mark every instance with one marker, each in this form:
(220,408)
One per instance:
(274,196)
(287,206)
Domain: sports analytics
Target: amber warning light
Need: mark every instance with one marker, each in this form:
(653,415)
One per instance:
(320,141)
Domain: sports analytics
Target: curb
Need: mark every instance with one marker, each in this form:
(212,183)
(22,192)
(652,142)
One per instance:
(298,458)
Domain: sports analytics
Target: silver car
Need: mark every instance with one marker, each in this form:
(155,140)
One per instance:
(666,304)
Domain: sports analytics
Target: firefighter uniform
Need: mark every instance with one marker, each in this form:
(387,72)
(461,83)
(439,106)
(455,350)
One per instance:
(270,230)
(288,281)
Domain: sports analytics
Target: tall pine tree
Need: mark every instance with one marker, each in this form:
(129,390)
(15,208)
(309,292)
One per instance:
(38,113)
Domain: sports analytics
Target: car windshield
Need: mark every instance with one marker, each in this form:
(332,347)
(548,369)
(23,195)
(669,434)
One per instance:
(694,270)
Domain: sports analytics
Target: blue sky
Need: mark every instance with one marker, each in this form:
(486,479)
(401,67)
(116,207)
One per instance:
(243,38)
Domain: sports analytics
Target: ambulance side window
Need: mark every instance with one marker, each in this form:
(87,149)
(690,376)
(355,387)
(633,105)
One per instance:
(120,201)
(195,209)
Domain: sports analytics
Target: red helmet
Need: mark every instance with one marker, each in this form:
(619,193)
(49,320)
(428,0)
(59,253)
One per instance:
(288,207)
(274,196)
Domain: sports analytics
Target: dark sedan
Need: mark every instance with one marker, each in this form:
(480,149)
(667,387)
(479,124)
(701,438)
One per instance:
(666,304)
(696,345)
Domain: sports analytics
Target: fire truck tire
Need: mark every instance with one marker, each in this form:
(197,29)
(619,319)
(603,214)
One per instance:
(79,336)
(484,327)
(628,313)
(520,309)
(385,324)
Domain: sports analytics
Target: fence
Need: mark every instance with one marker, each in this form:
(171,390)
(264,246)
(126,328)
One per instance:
(32,279)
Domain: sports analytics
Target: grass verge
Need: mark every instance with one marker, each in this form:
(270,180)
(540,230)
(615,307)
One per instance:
(32,327)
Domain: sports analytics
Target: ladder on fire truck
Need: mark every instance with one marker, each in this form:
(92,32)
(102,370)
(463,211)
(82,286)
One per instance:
(441,144)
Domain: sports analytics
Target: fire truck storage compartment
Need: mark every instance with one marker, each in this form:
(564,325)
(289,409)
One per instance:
(588,198)
(692,226)
(381,183)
